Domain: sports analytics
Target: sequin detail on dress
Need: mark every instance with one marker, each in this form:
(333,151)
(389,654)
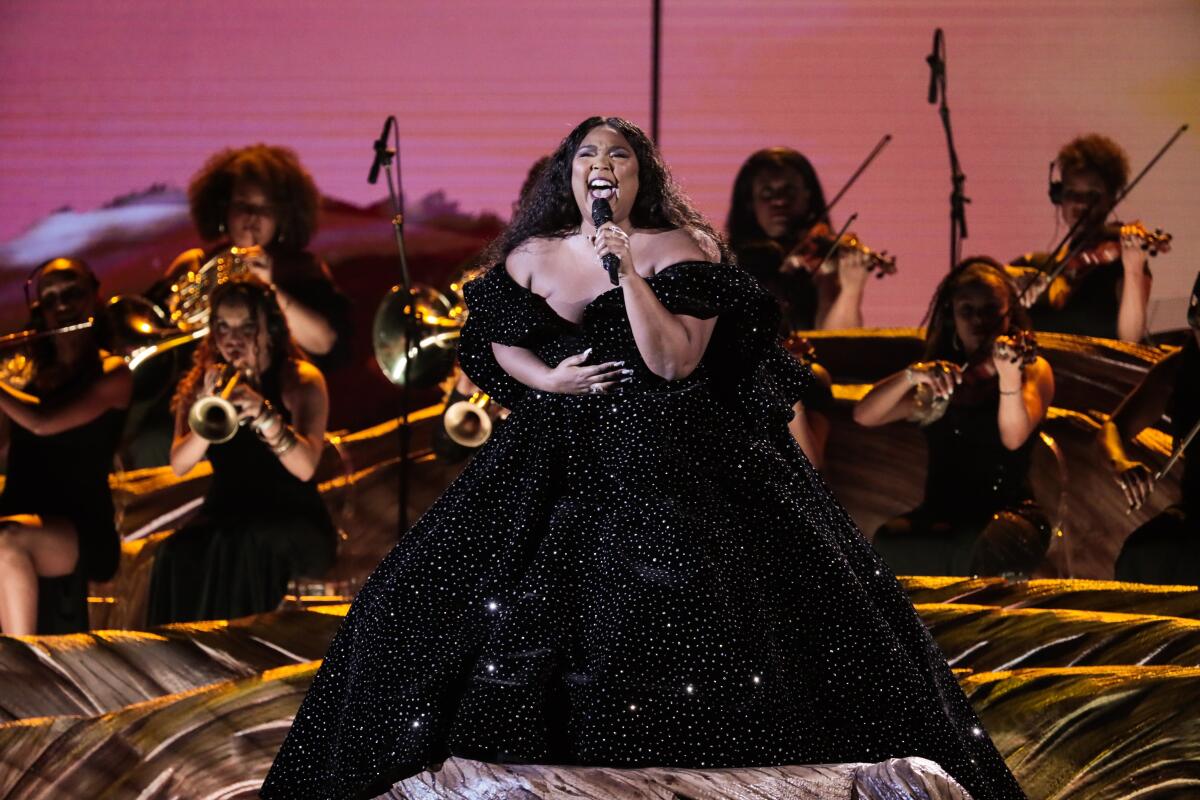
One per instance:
(650,578)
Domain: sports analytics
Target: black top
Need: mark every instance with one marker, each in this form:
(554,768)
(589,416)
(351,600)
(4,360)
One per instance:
(66,475)
(246,476)
(640,578)
(1091,308)
(794,291)
(971,472)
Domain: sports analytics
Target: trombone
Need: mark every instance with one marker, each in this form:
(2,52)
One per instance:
(17,368)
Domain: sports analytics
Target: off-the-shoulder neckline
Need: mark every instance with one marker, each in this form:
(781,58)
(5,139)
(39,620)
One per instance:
(670,267)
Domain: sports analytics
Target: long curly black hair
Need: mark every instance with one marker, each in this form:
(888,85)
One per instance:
(939,319)
(741,224)
(275,170)
(550,210)
(257,296)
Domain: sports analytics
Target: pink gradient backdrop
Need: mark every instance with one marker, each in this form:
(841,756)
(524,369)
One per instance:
(98,100)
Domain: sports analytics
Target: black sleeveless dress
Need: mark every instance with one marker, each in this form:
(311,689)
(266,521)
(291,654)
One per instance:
(259,527)
(1092,307)
(971,480)
(1166,548)
(644,578)
(66,475)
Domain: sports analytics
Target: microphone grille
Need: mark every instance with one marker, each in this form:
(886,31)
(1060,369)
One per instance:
(601,212)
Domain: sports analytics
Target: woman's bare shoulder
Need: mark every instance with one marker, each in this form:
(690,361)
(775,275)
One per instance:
(664,248)
(523,261)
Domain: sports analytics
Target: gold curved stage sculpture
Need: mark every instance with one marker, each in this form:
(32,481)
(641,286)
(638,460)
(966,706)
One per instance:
(1088,687)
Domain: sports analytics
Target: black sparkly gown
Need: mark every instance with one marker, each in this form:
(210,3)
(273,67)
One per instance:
(651,578)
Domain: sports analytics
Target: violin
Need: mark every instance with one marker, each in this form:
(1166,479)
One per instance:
(1020,346)
(817,249)
(1060,281)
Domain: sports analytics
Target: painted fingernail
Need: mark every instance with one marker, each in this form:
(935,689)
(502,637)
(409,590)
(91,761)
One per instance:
(627,371)
(627,380)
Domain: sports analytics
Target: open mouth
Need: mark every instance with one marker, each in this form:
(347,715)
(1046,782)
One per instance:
(602,189)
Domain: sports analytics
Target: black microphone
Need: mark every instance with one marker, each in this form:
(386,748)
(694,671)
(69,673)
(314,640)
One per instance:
(602,213)
(381,150)
(936,65)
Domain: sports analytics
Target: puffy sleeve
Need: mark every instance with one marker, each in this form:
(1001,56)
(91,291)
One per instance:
(752,371)
(502,311)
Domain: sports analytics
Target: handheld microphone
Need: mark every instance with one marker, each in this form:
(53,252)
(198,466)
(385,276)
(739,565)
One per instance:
(381,151)
(602,213)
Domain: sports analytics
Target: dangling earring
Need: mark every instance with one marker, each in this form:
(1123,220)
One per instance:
(956,343)
(279,238)
(221,228)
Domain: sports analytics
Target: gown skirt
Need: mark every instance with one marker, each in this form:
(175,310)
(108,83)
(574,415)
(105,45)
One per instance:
(650,577)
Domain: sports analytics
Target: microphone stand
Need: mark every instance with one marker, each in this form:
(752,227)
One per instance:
(384,156)
(958,199)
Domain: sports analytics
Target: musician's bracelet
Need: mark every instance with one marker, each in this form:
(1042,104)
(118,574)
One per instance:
(285,442)
(1014,391)
(265,413)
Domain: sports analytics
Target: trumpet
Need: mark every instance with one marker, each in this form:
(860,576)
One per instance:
(214,417)
(469,422)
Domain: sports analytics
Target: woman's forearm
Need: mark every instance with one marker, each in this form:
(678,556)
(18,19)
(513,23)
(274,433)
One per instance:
(311,331)
(885,402)
(187,451)
(1131,314)
(669,349)
(524,366)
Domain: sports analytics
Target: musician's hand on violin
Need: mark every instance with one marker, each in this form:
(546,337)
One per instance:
(1038,285)
(853,268)
(610,238)
(1135,480)
(1134,255)
(795,262)
(1009,360)
(940,376)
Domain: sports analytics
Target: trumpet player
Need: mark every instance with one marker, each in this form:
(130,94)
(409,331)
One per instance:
(262,521)
(60,429)
(979,516)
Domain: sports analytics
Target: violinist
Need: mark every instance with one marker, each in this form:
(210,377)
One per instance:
(60,429)
(780,232)
(981,395)
(1104,291)
(1166,549)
